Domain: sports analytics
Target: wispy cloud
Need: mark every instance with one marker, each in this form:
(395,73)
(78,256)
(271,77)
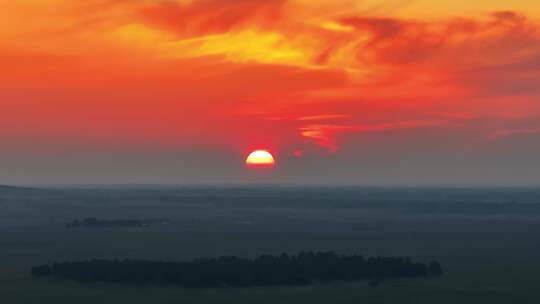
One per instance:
(502,134)
(325,135)
(453,115)
(322,117)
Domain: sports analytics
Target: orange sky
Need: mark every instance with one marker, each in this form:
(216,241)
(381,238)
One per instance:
(296,76)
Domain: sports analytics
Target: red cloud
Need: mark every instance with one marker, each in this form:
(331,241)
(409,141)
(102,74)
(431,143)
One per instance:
(211,16)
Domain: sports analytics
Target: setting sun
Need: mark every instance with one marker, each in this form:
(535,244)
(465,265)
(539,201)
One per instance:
(260,159)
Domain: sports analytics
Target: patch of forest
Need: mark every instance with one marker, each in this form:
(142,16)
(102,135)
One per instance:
(301,269)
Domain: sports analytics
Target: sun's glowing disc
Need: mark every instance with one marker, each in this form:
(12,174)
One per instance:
(260,159)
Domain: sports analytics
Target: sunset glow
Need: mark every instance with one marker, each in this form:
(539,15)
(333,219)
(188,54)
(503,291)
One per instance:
(331,79)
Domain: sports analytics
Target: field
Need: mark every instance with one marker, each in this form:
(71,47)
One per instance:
(487,240)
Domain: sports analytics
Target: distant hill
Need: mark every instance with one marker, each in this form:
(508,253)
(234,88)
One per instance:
(5,189)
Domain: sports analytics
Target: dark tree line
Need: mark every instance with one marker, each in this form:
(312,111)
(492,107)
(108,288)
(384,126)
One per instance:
(301,269)
(91,222)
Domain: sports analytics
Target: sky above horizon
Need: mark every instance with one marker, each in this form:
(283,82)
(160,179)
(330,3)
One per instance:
(344,92)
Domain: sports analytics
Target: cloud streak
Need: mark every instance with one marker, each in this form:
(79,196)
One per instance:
(325,135)
(503,134)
